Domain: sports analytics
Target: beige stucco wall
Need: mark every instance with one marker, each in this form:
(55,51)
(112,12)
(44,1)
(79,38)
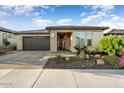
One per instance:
(20,39)
(96,38)
(19,42)
(1,39)
(53,41)
(97,34)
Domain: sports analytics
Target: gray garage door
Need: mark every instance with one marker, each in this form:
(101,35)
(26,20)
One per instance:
(36,43)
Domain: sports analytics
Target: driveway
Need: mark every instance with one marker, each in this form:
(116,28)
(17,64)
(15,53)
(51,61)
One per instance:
(23,59)
(52,78)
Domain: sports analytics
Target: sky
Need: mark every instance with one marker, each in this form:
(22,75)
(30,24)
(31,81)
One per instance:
(25,17)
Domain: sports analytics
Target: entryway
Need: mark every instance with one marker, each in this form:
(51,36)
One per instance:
(63,40)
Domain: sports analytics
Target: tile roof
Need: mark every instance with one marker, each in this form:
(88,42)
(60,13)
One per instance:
(116,31)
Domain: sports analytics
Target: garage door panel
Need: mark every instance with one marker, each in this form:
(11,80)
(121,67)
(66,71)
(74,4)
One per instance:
(36,43)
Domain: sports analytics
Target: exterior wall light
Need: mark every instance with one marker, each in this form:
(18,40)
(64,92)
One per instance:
(53,35)
(71,38)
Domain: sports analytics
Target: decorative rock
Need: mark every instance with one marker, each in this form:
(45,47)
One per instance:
(100,62)
(83,65)
(87,56)
(97,56)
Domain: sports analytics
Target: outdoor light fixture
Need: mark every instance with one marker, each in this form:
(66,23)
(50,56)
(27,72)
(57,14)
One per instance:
(71,38)
(52,35)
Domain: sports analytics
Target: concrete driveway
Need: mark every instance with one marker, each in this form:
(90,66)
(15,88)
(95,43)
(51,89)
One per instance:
(22,59)
(53,78)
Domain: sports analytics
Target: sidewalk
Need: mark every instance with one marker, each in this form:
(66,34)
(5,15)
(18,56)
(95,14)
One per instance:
(62,78)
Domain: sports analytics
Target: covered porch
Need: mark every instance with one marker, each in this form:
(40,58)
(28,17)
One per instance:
(62,41)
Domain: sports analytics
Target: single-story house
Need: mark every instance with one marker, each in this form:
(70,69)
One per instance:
(115,32)
(54,38)
(7,35)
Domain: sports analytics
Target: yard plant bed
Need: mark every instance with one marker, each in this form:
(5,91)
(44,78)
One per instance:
(75,63)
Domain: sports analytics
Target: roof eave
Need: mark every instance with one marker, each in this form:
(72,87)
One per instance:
(77,28)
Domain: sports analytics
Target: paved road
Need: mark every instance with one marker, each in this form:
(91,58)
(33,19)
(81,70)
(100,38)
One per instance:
(49,78)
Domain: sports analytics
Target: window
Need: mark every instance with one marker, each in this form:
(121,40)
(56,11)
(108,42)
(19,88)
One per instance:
(83,38)
(4,35)
(80,39)
(89,38)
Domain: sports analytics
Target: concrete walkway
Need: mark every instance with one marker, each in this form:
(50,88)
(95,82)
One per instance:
(56,78)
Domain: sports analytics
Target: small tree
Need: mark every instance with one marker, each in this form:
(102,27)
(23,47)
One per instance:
(112,44)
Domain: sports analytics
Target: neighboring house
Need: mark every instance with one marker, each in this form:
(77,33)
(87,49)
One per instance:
(7,35)
(115,32)
(56,38)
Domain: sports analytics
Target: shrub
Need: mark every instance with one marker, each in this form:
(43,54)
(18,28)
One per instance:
(67,59)
(6,42)
(82,55)
(114,64)
(81,49)
(112,44)
(111,60)
(60,58)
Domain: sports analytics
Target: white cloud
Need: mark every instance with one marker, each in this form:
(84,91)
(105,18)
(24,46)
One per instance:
(114,22)
(41,22)
(115,18)
(3,22)
(7,7)
(103,7)
(3,14)
(64,21)
(99,12)
(103,10)
(90,18)
(82,14)
(45,6)
(52,9)
(23,10)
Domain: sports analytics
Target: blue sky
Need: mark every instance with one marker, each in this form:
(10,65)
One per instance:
(38,17)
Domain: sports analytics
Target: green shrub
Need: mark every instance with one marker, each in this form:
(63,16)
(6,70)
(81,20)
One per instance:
(81,49)
(114,64)
(67,59)
(111,60)
(111,44)
(60,58)
(82,55)
(6,42)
